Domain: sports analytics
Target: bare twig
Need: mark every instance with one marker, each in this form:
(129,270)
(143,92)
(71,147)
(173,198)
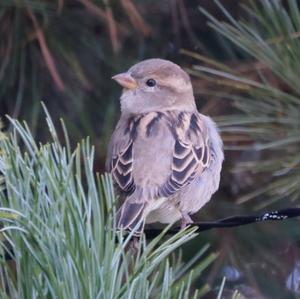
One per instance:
(6,47)
(49,60)
(97,11)
(60,6)
(234,221)
(112,28)
(135,18)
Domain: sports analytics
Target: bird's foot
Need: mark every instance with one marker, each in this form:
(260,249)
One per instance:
(185,220)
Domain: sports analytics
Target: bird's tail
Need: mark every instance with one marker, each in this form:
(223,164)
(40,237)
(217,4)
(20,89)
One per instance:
(130,215)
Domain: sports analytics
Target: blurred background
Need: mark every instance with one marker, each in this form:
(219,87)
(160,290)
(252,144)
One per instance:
(244,61)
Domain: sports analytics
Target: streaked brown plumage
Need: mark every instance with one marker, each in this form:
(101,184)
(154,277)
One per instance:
(164,155)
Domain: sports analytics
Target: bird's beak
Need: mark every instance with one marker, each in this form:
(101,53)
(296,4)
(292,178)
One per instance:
(125,80)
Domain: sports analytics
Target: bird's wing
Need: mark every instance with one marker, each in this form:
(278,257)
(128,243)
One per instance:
(191,154)
(120,155)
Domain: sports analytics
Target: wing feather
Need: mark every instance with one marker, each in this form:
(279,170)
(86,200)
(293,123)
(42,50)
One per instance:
(120,157)
(191,153)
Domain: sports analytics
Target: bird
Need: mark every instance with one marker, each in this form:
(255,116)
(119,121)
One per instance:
(164,156)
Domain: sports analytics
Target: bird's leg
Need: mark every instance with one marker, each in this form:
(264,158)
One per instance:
(134,244)
(185,220)
(136,238)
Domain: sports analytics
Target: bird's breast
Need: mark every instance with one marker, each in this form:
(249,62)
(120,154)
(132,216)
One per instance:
(152,150)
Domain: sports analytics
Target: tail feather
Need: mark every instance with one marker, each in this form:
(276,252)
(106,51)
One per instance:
(130,214)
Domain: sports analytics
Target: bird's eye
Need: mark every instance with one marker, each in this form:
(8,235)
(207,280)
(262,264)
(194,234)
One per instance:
(151,82)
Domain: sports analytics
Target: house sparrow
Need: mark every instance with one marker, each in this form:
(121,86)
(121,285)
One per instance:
(164,155)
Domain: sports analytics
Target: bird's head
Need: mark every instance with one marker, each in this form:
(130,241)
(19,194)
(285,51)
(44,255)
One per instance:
(155,85)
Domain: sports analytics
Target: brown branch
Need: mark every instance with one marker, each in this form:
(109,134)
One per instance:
(135,18)
(5,50)
(112,28)
(60,6)
(97,11)
(49,60)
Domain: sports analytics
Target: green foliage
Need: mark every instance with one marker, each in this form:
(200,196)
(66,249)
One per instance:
(267,106)
(58,220)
